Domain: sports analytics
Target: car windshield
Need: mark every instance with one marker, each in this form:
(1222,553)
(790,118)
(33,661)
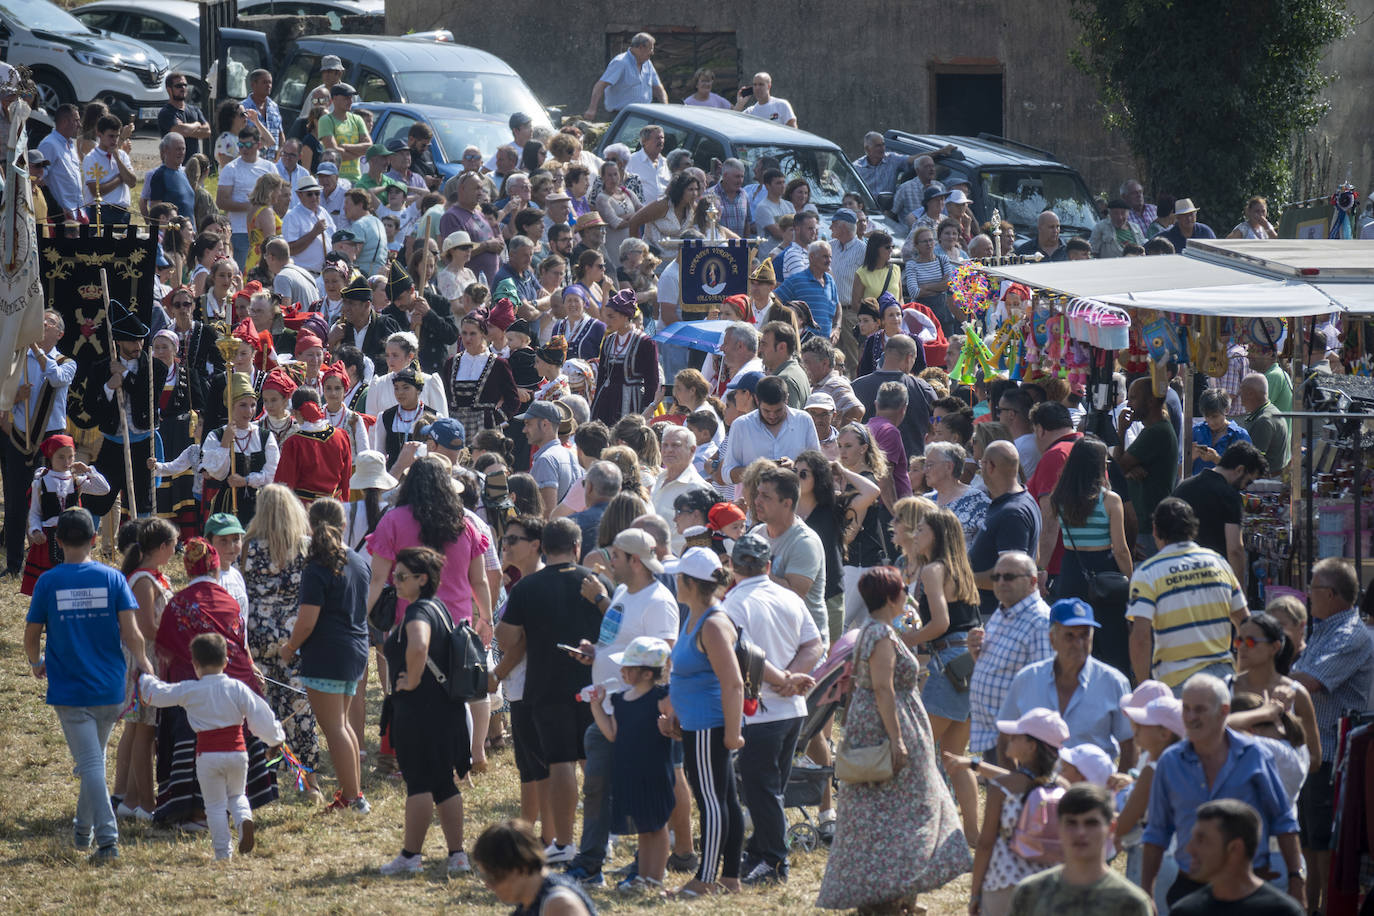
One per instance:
(42,16)
(453,134)
(488,93)
(1022,194)
(828,173)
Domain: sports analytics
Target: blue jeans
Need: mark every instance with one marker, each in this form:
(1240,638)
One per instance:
(87,730)
(239,242)
(596,800)
(764,764)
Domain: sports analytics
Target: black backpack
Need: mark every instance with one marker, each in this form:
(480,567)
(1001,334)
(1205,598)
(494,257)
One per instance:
(462,666)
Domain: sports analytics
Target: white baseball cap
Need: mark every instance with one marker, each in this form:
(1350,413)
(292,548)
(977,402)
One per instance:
(643,652)
(697,562)
(1090,760)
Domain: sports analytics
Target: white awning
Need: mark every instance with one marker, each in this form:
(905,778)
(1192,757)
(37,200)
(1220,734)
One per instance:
(1227,277)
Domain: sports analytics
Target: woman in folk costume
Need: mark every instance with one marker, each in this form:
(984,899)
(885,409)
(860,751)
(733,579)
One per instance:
(277,389)
(548,362)
(481,391)
(177,404)
(317,459)
(581,378)
(582,332)
(403,422)
(196,340)
(502,316)
(253,357)
(334,384)
(56,488)
(217,304)
(232,485)
(627,376)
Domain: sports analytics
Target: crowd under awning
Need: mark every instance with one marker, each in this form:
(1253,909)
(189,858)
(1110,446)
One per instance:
(1242,278)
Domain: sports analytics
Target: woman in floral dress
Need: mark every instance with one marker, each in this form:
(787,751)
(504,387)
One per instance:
(273,558)
(896,839)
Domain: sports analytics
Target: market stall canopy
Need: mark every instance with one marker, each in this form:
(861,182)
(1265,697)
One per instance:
(1243,278)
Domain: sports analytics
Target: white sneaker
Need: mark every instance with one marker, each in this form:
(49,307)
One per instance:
(558,855)
(125,812)
(142,815)
(403,865)
(458,864)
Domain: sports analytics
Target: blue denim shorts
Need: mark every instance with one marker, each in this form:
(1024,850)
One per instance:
(939,696)
(329,685)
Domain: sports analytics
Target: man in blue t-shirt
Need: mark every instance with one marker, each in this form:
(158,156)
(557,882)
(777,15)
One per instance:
(87,609)
(168,182)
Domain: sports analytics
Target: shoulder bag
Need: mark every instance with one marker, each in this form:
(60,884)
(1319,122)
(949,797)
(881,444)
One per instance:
(1108,588)
(871,764)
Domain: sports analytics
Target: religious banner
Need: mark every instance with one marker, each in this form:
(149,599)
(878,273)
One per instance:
(710,271)
(70,268)
(21,297)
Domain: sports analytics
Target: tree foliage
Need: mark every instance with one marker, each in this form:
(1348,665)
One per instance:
(1211,94)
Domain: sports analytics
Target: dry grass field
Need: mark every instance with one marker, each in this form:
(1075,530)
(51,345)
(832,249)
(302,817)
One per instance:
(305,861)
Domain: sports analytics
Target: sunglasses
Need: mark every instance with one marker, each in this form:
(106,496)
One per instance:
(1007,577)
(1250,642)
(176,85)
(245,144)
(405,576)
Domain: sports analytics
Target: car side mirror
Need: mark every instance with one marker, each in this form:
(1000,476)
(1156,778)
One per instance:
(885,200)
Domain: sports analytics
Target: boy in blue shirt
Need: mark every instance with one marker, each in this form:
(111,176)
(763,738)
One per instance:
(87,609)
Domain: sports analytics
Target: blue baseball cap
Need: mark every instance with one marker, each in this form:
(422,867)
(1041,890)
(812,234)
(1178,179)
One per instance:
(1073,612)
(327,168)
(749,381)
(446,431)
(845,215)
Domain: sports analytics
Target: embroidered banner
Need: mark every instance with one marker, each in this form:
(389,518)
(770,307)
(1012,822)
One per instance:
(710,271)
(70,267)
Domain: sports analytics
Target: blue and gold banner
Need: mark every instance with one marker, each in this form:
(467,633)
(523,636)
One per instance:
(710,271)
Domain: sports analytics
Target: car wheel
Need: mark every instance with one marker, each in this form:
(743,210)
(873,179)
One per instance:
(53,89)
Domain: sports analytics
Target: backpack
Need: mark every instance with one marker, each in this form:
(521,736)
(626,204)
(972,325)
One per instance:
(1036,837)
(462,669)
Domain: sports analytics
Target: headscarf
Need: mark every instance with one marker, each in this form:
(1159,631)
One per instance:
(260,341)
(625,302)
(334,370)
(580,369)
(502,314)
(50,445)
(741,302)
(172,294)
(555,352)
(310,412)
(305,340)
(201,558)
(277,380)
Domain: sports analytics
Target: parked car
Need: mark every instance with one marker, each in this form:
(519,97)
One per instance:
(332,8)
(411,69)
(170,26)
(453,130)
(1017,180)
(712,133)
(71,62)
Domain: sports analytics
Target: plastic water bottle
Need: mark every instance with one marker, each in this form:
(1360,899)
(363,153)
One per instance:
(585,694)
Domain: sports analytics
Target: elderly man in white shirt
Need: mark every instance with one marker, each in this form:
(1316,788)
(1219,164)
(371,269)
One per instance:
(678,475)
(649,165)
(772,431)
(307,226)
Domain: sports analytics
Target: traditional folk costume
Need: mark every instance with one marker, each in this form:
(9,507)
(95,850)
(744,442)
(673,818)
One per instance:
(480,389)
(317,459)
(182,395)
(51,493)
(255,458)
(42,413)
(396,426)
(581,376)
(277,380)
(555,354)
(627,375)
(357,426)
(264,359)
(141,374)
(584,337)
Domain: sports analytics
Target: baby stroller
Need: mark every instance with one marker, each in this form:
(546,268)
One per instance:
(808,780)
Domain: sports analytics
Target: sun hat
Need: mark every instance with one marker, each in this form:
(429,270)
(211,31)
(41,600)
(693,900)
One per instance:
(1044,724)
(1165,711)
(697,562)
(1091,761)
(643,652)
(370,473)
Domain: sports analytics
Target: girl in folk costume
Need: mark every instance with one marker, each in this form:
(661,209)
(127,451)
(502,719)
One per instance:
(240,458)
(277,389)
(305,371)
(358,427)
(218,303)
(403,422)
(402,352)
(252,356)
(55,488)
(317,459)
(627,376)
(480,389)
(582,332)
(581,378)
(177,404)
(548,362)
(356,368)
(501,317)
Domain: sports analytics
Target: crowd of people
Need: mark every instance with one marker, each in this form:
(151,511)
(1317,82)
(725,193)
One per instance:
(437,417)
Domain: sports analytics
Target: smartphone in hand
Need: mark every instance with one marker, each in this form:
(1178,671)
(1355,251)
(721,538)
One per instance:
(573,651)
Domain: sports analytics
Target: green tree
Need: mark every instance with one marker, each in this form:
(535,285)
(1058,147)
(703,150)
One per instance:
(1211,94)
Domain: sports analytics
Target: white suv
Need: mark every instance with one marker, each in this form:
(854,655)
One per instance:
(72,63)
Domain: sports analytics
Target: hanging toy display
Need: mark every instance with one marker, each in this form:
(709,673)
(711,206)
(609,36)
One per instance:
(971,289)
(1344,203)
(1006,346)
(974,359)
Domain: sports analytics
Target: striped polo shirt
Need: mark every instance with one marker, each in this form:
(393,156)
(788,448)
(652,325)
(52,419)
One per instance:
(1188,593)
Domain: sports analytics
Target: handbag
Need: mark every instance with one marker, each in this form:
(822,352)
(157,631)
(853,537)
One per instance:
(959,671)
(382,615)
(871,764)
(1109,588)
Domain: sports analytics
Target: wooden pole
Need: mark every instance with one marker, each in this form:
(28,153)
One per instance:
(120,400)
